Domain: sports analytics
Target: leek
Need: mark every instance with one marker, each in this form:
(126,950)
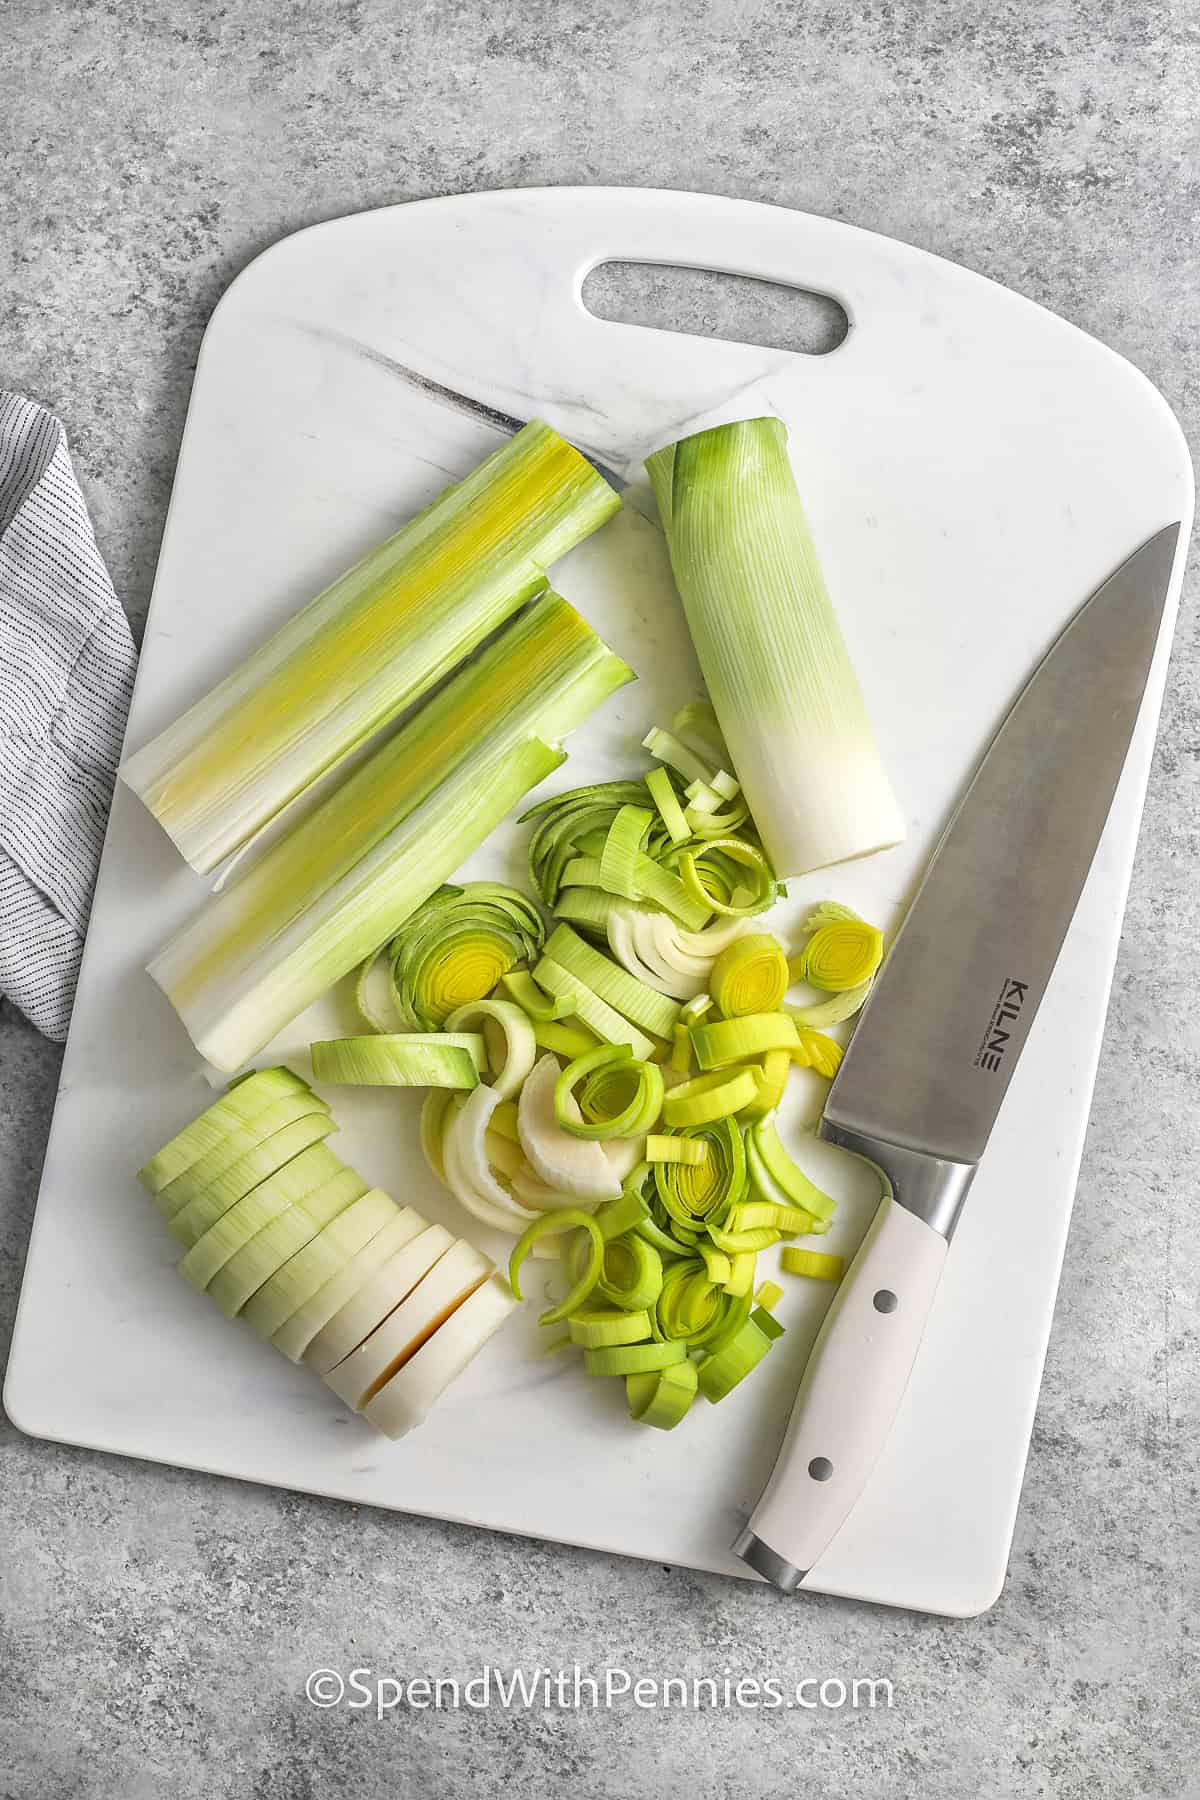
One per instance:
(777,670)
(401,1060)
(371,644)
(813,1263)
(456,948)
(342,881)
(661,1397)
(750,976)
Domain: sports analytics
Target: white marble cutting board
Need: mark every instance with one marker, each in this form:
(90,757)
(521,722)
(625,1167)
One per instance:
(973,467)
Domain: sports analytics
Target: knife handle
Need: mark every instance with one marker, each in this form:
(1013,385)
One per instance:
(849,1397)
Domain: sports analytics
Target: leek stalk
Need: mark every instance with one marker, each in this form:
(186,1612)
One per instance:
(348,876)
(372,643)
(777,670)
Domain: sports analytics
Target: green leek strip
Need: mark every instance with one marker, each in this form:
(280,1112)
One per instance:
(600,1330)
(772,1084)
(659,887)
(565,821)
(753,1215)
(816,1051)
(619,1098)
(814,1263)
(717,1265)
(768,643)
(768,1296)
(553,1224)
(524,990)
(766,1189)
(243,1102)
(622,847)
(511,1039)
(411,1060)
(345,878)
(666,748)
(666,800)
(734,1040)
(750,976)
(696,1009)
(800,1191)
(741,1273)
(654,1012)
(767,1323)
(633,1359)
(719,825)
(681,1050)
(725,785)
(698,1194)
(701,797)
(839,956)
(366,648)
(661,1397)
(699,883)
(719,1373)
(596,1014)
(457,946)
(565,1040)
(829,1012)
(707,1098)
(590,908)
(616,1217)
(676,1150)
(738,1243)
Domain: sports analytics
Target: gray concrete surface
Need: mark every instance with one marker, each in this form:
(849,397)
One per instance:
(156,1627)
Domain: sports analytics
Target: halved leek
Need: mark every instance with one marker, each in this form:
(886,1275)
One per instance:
(335,888)
(376,640)
(776,666)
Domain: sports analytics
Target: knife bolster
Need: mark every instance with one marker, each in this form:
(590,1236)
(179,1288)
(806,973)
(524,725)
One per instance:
(928,1186)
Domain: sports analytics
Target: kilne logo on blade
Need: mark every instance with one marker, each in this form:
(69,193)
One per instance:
(996,1037)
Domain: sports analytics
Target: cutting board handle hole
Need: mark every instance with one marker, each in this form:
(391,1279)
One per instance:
(713,303)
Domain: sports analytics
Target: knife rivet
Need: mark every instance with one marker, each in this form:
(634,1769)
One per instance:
(885,1301)
(820,1468)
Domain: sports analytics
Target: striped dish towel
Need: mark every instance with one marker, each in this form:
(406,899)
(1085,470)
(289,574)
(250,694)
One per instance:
(66,674)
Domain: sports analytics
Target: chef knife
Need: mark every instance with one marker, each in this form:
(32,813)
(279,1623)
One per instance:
(934,1051)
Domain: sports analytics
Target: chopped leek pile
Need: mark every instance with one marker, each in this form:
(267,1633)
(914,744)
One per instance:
(382,636)
(278,1231)
(777,668)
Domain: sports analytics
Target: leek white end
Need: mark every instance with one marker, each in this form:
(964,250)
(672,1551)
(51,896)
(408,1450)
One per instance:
(776,665)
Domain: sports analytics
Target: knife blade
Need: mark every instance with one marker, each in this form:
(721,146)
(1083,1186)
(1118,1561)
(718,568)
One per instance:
(932,1057)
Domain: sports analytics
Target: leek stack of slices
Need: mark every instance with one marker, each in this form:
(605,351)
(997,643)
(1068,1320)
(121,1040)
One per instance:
(387,1307)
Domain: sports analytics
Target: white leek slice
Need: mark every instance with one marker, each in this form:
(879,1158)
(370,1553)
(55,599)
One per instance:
(623,941)
(468,1174)
(566,1164)
(243,1101)
(398,1337)
(236,1143)
(513,1061)
(371,644)
(773,658)
(380,1295)
(298,1279)
(403,1402)
(192,1220)
(346,877)
(248,1268)
(294,1337)
(293,1185)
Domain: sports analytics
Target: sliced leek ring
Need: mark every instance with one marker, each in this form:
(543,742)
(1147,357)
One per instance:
(381,1295)
(297,1334)
(381,1355)
(191,1222)
(405,1400)
(318,1262)
(519,1042)
(233,1146)
(287,1186)
(242,1102)
(248,1268)
(568,1165)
